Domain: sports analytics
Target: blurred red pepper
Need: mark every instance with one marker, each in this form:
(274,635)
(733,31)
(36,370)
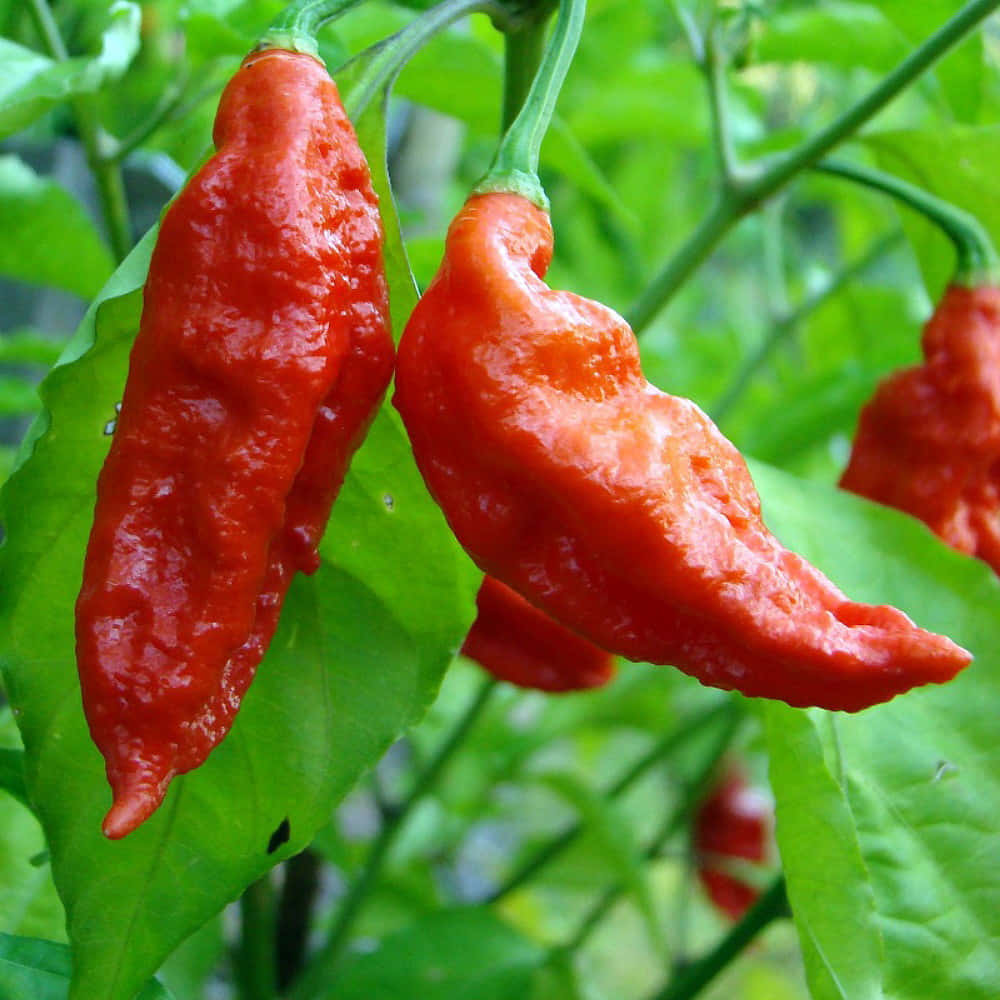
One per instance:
(620,511)
(928,442)
(262,356)
(732,823)
(517,643)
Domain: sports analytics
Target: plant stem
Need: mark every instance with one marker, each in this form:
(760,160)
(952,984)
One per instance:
(692,978)
(785,325)
(515,166)
(976,258)
(523,47)
(296,27)
(255,958)
(759,183)
(677,819)
(323,965)
(294,912)
(663,748)
(98,146)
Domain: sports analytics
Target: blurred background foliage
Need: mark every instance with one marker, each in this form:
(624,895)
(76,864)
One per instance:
(781,334)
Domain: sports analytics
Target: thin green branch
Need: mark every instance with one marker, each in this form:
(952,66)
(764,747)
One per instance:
(976,258)
(759,183)
(784,326)
(714,67)
(662,749)
(167,107)
(323,965)
(692,978)
(676,820)
(515,166)
(98,146)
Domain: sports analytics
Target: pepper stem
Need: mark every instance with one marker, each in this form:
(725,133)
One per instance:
(515,167)
(976,258)
(296,27)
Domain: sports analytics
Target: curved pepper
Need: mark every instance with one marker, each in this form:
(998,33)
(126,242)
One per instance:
(928,442)
(517,643)
(262,356)
(617,509)
(732,823)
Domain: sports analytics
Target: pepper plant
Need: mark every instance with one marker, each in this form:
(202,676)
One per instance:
(385,818)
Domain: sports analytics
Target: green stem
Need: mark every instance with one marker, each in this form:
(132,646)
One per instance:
(515,167)
(98,146)
(297,26)
(662,749)
(718,97)
(976,259)
(255,965)
(677,820)
(759,184)
(692,978)
(379,66)
(320,970)
(787,324)
(523,48)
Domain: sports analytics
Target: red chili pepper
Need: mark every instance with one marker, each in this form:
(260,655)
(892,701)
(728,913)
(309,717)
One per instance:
(928,442)
(517,643)
(733,822)
(262,356)
(620,511)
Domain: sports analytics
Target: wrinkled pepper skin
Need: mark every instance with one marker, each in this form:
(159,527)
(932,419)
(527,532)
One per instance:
(928,442)
(262,356)
(519,644)
(615,508)
(733,822)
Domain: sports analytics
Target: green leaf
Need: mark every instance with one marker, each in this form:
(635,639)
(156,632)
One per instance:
(958,164)
(48,239)
(33,83)
(34,969)
(887,818)
(460,954)
(28,901)
(802,34)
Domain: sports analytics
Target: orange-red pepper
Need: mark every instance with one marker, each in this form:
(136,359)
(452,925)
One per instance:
(517,643)
(928,442)
(262,356)
(615,508)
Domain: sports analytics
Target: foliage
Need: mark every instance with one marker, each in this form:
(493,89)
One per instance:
(502,843)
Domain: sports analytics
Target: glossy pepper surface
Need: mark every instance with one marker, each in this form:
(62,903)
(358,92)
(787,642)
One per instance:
(262,356)
(519,644)
(733,823)
(928,442)
(617,509)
